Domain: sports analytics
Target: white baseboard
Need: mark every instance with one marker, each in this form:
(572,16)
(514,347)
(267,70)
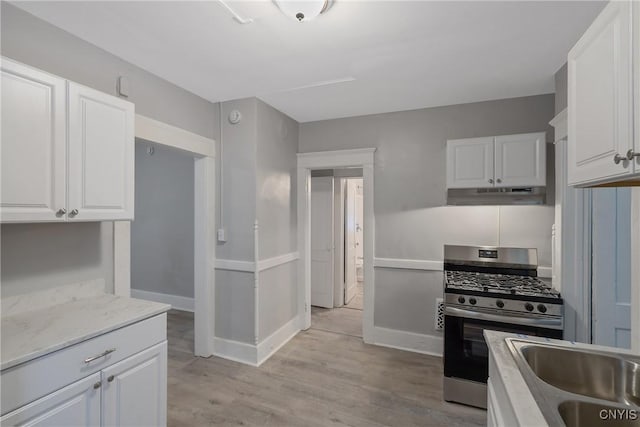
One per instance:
(235,350)
(409,341)
(275,341)
(177,302)
(256,355)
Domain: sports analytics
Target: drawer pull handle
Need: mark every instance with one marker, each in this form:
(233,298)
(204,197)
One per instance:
(103,354)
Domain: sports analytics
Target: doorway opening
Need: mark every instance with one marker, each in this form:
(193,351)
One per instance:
(162,235)
(337,255)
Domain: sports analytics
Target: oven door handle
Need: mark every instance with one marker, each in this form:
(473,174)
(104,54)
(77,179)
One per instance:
(553,323)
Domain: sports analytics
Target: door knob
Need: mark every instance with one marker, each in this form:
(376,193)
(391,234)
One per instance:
(97,385)
(111,377)
(498,180)
(618,158)
(632,154)
(490,181)
(74,212)
(61,212)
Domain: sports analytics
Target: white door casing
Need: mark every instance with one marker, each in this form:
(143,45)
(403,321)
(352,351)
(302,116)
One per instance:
(33,144)
(599,97)
(362,157)
(101,155)
(520,160)
(322,244)
(470,163)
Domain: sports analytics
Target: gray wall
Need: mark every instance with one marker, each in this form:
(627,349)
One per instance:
(88,252)
(560,79)
(259,156)
(37,257)
(277,216)
(412,221)
(162,233)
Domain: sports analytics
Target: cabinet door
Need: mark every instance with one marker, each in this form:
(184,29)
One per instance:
(33,145)
(520,160)
(101,156)
(135,390)
(599,106)
(470,163)
(77,404)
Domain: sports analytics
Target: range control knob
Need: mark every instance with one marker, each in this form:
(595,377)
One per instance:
(500,303)
(542,308)
(528,306)
(461,300)
(472,301)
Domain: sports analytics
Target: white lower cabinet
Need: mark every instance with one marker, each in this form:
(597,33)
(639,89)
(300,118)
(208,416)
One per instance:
(115,379)
(77,404)
(135,390)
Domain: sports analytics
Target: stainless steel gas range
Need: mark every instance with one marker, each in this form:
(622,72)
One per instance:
(490,288)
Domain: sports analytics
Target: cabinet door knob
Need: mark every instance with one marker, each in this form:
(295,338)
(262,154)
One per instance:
(618,158)
(490,181)
(632,154)
(97,385)
(110,378)
(498,180)
(61,212)
(74,212)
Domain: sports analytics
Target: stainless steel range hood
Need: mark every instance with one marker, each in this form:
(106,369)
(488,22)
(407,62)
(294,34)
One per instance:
(496,196)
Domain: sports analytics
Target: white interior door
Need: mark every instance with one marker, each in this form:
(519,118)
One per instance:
(351,253)
(322,245)
(611,263)
(359,207)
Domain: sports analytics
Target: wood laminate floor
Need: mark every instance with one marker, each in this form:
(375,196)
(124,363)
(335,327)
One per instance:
(319,378)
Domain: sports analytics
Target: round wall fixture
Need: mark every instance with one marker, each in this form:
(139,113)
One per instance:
(234,117)
(303,10)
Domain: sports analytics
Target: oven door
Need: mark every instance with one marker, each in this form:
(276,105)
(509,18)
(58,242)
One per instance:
(466,354)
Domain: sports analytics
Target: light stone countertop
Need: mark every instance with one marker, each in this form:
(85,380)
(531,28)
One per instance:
(28,335)
(522,401)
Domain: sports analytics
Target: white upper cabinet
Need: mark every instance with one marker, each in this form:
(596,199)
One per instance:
(497,162)
(67,150)
(33,145)
(600,110)
(470,163)
(520,160)
(101,156)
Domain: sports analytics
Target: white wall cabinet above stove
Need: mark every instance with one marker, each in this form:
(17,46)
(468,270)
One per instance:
(67,150)
(497,162)
(600,99)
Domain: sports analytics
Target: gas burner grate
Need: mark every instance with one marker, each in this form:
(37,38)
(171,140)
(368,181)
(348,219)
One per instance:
(499,284)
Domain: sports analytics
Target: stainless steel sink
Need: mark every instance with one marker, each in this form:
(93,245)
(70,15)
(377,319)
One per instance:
(579,387)
(590,374)
(577,413)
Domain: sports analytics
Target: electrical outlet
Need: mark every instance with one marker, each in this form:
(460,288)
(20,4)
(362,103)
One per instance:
(221,235)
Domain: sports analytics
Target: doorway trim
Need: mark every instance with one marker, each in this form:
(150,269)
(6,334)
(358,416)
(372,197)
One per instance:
(203,151)
(364,158)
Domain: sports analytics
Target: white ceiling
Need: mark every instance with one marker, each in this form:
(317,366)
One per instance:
(372,56)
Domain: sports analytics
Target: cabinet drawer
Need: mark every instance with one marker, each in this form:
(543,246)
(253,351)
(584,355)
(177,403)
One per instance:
(29,381)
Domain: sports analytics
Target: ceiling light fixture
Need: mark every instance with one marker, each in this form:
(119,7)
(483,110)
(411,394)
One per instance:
(303,10)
